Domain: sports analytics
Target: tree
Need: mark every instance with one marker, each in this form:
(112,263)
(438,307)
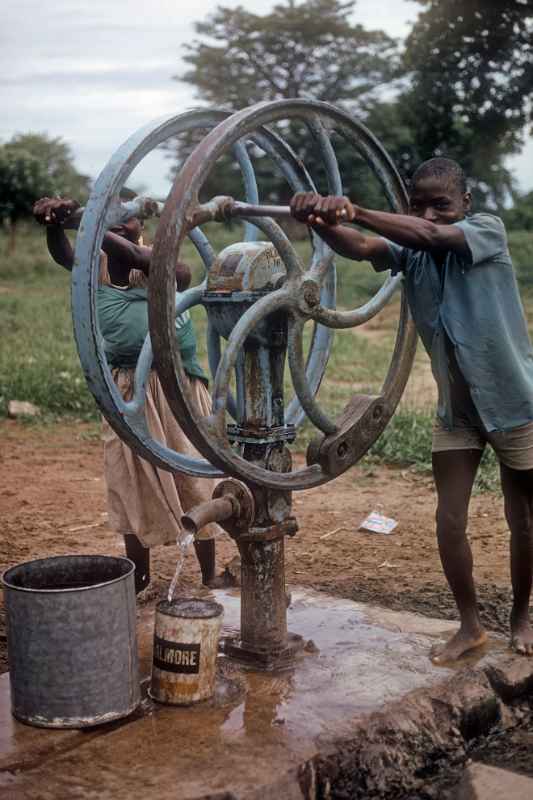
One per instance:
(306,49)
(298,49)
(520,215)
(23,179)
(56,156)
(33,165)
(472,85)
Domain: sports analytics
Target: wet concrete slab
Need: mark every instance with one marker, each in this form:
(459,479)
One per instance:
(482,782)
(265,734)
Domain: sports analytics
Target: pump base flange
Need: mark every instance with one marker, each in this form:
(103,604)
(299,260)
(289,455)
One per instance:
(279,658)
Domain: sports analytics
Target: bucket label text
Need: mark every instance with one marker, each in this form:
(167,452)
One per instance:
(176,657)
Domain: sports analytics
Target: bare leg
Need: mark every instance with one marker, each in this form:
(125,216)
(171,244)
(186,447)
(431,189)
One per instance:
(141,558)
(205,553)
(517,486)
(454,472)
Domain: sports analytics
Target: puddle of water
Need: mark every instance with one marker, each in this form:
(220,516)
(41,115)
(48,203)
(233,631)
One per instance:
(356,666)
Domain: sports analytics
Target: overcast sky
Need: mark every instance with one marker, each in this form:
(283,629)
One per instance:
(93,71)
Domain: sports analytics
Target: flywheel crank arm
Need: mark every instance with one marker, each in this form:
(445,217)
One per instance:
(140,206)
(222,209)
(218,209)
(358,427)
(250,210)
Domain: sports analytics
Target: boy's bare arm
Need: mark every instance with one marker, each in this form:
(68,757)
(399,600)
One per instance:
(52,212)
(346,241)
(353,244)
(59,246)
(125,253)
(418,234)
(413,232)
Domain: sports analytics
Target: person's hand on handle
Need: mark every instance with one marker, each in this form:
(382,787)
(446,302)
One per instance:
(303,205)
(314,209)
(54,210)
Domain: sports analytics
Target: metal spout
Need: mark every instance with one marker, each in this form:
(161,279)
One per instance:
(213,511)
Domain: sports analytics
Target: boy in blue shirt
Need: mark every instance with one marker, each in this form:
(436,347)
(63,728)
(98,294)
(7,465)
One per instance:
(464,299)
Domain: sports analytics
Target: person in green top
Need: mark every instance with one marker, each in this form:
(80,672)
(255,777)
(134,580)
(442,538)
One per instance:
(145,503)
(123,320)
(463,296)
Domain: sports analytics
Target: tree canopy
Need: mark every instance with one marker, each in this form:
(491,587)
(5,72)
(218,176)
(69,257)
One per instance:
(243,58)
(298,49)
(57,160)
(520,216)
(33,165)
(23,179)
(462,87)
(472,84)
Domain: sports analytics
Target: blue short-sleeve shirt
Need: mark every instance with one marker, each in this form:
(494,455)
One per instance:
(475,303)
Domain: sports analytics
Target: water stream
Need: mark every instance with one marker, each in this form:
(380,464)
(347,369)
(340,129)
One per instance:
(182,549)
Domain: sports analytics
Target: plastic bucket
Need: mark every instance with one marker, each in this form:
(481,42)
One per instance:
(185,650)
(72,643)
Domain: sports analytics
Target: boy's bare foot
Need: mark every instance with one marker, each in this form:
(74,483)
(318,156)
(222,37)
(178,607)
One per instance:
(521,636)
(458,645)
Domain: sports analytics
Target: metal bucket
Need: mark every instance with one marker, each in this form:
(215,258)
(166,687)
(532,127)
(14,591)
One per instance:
(185,650)
(72,642)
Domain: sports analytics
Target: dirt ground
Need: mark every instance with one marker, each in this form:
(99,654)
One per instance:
(52,501)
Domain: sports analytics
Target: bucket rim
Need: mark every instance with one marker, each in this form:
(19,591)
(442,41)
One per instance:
(4,576)
(177,608)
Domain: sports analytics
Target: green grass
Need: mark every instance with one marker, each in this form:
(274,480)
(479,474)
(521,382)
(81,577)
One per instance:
(521,247)
(38,359)
(406,442)
(39,363)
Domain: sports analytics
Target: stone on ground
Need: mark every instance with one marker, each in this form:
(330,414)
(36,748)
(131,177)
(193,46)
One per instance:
(22,408)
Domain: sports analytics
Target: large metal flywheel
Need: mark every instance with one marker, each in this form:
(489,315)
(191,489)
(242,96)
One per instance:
(302,293)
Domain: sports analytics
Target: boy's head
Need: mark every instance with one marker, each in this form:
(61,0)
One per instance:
(131,229)
(439,192)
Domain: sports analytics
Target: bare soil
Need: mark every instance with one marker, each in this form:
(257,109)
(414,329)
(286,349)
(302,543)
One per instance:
(52,502)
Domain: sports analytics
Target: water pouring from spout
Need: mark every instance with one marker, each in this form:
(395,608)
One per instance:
(182,549)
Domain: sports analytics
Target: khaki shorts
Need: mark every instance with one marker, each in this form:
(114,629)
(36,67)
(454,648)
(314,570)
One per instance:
(514,448)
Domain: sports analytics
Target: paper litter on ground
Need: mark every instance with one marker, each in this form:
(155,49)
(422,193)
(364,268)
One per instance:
(377,523)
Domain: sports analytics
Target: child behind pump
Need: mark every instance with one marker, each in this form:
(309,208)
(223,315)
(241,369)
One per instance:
(145,503)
